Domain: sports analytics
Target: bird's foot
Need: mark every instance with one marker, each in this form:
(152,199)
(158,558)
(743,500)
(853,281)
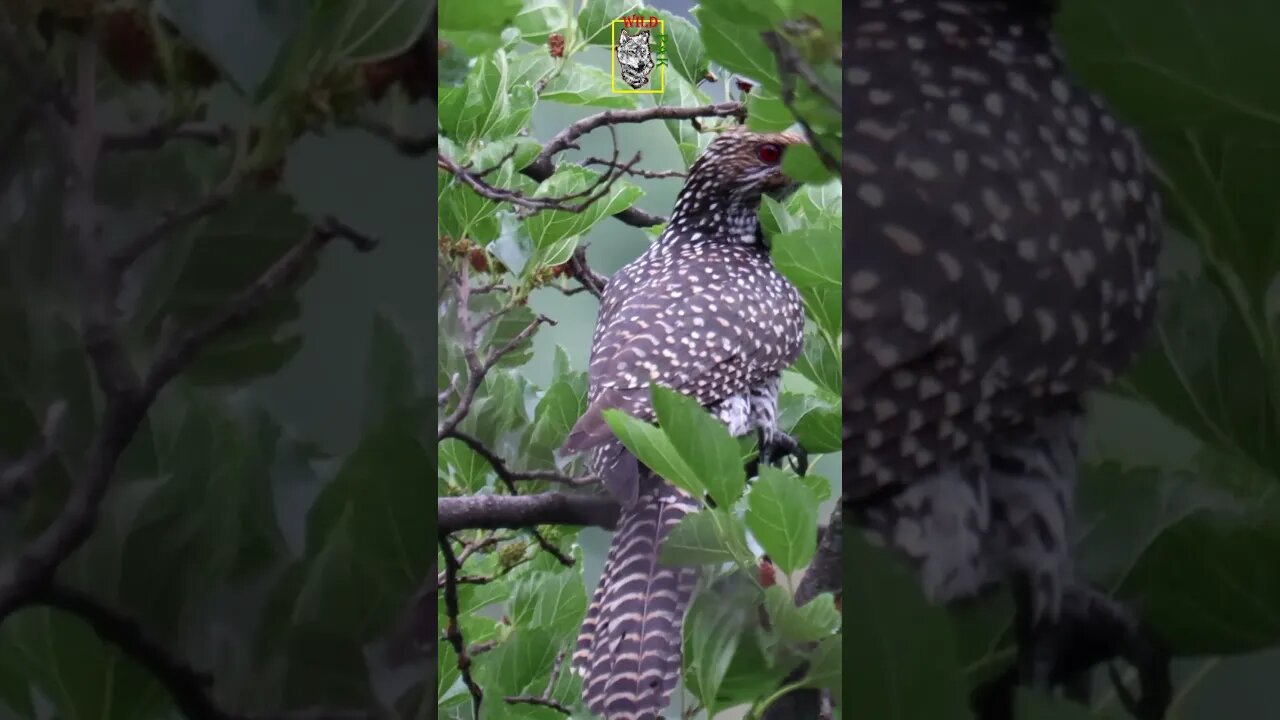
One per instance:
(1092,629)
(775,447)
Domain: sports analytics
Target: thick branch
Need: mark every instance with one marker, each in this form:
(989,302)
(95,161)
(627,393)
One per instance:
(490,512)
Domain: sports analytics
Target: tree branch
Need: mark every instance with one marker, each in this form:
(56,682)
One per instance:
(127,403)
(791,64)
(453,633)
(179,351)
(217,199)
(17,478)
(491,512)
(543,166)
(190,690)
(159,134)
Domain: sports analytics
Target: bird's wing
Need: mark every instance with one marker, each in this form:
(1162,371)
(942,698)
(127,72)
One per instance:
(706,350)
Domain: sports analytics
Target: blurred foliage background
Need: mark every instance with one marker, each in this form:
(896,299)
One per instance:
(267,522)
(1178,509)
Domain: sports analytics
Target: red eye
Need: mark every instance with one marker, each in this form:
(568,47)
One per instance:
(769,153)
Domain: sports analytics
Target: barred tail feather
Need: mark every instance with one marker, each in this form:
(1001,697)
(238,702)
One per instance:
(629,648)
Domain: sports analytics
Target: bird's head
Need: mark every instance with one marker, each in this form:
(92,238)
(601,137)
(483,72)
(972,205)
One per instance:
(725,184)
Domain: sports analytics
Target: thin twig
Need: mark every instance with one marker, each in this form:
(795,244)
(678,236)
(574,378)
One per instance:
(159,134)
(17,478)
(544,166)
(176,354)
(545,699)
(652,174)
(453,632)
(477,368)
(509,476)
(211,203)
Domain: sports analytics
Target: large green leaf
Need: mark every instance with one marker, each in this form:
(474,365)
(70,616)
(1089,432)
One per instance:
(783,516)
(488,106)
(365,546)
(900,647)
(703,442)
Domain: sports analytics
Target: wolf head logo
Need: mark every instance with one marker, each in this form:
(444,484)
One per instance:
(635,58)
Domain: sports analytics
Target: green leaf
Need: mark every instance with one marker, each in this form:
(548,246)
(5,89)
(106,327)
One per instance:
(521,663)
(539,18)
(488,106)
(678,92)
(818,430)
(802,164)
(557,411)
(394,390)
(554,233)
(79,675)
(820,363)
(377,29)
(366,550)
(703,442)
(737,47)
(554,601)
(595,20)
(707,537)
(472,16)
(654,449)
(767,113)
(713,627)
(826,670)
(782,514)
(901,647)
(585,85)
(1235,612)
(684,48)
(212,521)
(815,621)
(461,466)
(811,259)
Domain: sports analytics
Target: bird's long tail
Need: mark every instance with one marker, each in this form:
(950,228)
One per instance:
(629,648)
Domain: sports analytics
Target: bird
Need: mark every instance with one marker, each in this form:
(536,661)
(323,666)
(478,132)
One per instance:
(703,312)
(1001,264)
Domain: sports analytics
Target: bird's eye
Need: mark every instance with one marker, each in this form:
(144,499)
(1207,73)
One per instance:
(769,153)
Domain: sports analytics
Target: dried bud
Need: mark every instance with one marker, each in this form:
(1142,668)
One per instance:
(127,44)
(744,85)
(479,260)
(768,572)
(555,45)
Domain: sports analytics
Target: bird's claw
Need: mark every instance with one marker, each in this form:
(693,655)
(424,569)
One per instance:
(1093,631)
(776,447)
